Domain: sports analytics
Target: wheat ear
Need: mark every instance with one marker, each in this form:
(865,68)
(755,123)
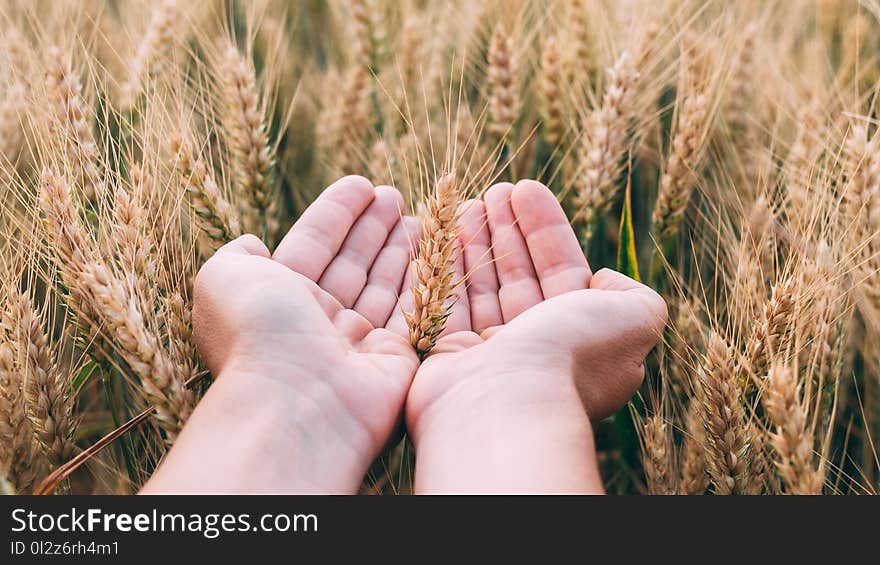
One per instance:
(685,155)
(11,134)
(18,457)
(108,302)
(694,476)
(603,146)
(247,132)
(552,103)
(151,52)
(134,244)
(790,437)
(728,433)
(658,451)
(433,286)
(503,98)
(71,121)
(770,334)
(215,216)
(47,389)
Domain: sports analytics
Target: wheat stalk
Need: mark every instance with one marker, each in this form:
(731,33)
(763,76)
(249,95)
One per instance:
(433,286)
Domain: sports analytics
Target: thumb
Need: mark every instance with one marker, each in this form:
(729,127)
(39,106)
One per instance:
(646,303)
(247,244)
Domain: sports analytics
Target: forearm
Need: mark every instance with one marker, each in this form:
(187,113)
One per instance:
(542,444)
(252,433)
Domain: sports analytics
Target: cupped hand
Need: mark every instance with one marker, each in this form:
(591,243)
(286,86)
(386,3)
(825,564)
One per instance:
(308,379)
(543,328)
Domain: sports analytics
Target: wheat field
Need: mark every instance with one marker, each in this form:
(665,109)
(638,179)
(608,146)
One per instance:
(726,151)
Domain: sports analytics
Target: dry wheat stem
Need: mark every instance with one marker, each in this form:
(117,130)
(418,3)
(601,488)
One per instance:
(433,286)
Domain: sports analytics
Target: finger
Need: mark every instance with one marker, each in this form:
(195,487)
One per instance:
(247,244)
(557,256)
(482,281)
(316,237)
(519,289)
(397,321)
(380,295)
(346,274)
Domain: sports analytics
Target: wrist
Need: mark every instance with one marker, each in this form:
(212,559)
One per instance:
(506,432)
(290,436)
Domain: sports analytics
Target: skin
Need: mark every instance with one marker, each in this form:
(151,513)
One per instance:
(314,372)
